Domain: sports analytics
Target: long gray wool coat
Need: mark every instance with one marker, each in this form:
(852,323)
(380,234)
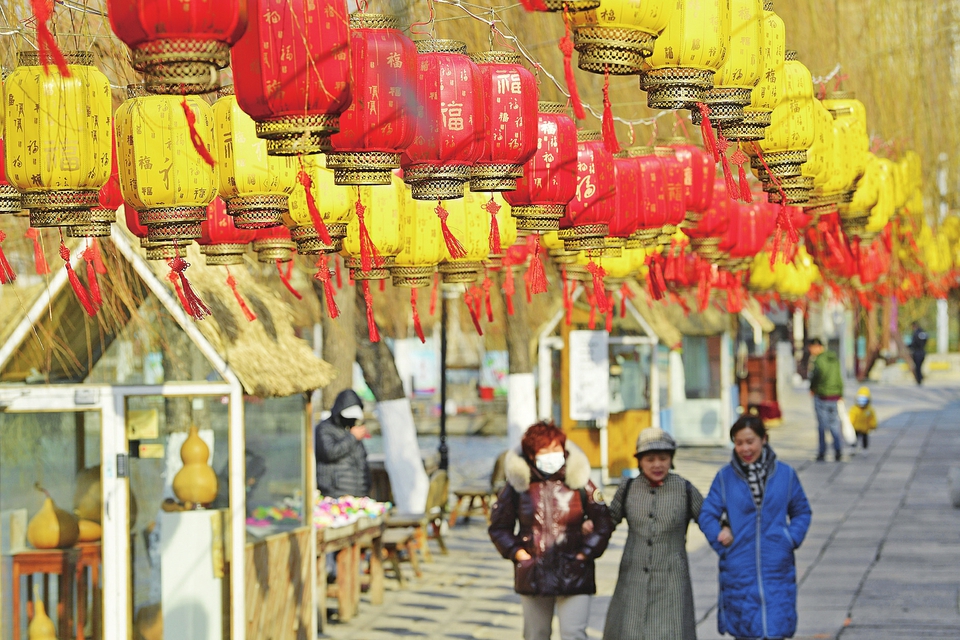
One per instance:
(654,598)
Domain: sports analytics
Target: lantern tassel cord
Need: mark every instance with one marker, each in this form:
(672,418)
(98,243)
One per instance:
(195,137)
(78,289)
(193,305)
(232,283)
(784,221)
(598,290)
(493,208)
(537,272)
(608,325)
(7,276)
(285,278)
(307,183)
(592,320)
(733,190)
(434,291)
(417,327)
(566,47)
(89,256)
(370,257)
(625,295)
(739,158)
(567,297)
(46,43)
(509,287)
(454,248)
(39,260)
(706,131)
(474,299)
(325,278)
(372,332)
(487,285)
(607,125)
(338,273)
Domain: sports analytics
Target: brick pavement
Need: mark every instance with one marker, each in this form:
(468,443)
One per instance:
(881,560)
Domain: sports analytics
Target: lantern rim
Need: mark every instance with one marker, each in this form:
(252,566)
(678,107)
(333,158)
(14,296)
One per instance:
(371,21)
(538,218)
(29,58)
(440,45)
(550,107)
(790,55)
(496,57)
(640,151)
(589,135)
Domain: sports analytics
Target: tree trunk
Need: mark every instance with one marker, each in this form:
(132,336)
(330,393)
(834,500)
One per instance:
(521,383)
(408,479)
(873,342)
(339,343)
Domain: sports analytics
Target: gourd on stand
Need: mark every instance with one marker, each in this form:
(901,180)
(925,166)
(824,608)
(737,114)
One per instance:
(196,483)
(52,527)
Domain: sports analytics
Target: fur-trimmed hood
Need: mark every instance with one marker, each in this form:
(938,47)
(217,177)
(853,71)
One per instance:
(577,469)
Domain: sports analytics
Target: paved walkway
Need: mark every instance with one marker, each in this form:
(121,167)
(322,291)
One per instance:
(881,560)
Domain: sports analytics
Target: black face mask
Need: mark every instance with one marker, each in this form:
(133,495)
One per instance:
(347,423)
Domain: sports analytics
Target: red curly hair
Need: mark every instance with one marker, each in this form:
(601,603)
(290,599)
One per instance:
(541,435)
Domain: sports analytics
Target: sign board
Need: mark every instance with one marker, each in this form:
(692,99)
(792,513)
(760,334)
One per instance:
(589,375)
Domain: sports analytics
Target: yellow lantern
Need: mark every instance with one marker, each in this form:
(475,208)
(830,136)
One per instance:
(501,220)
(688,53)
(885,207)
(556,250)
(57,137)
(791,131)
(253,184)
(9,196)
(911,176)
(848,109)
(325,205)
(839,176)
(762,276)
(819,164)
(161,175)
(768,92)
(616,36)
(469,221)
(855,215)
(734,82)
(381,229)
(422,245)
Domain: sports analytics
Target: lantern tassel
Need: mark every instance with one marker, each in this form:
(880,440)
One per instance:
(592,320)
(538,274)
(46,43)
(706,132)
(509,288)
(567,297)
(195,138)
(7,275)
(607,125)
(324,276)
(487,285)
(39,260)
(454,248)
(566,47)
(338,273)
(307,182)
(82,296)
(598,291)
(473,297)
(285,278)
(193,304)
(625,294)
(733,190)
(610,309)
(434,291)
(370,257)
(739,158)
(372,331)
(417,327)
(232,283)
(493,208)
(92,283)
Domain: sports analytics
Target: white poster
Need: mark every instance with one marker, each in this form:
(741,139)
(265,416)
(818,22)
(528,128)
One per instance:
(589,375)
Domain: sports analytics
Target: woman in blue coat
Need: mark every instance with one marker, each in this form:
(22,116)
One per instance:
(754,517)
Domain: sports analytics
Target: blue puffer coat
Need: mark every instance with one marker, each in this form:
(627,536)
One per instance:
(758,578)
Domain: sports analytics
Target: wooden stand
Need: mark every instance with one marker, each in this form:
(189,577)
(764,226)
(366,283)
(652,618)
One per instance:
(347,542)
(63,563)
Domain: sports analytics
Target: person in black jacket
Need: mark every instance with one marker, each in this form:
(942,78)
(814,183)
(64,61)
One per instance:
(918,349)
(342,468)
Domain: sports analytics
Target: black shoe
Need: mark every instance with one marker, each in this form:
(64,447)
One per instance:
(820,458)
(838,456)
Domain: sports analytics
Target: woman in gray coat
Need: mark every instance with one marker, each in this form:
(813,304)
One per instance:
(654,598)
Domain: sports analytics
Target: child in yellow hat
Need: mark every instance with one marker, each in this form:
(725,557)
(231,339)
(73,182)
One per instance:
(863,418)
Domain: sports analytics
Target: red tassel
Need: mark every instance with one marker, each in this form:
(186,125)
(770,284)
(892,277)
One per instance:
(323,275)
(434,291)
(307,182)
(382,285)
(369,255)
(607,126)
(526,287)
(733,191)
(509,288)
(285,279)
(592,321)
(493,209)
(195,135)
(454,248)
(706,132)
(6,272)
(78,289)
(474,299)
(537,272)
(703,289)
(610,307)
(739,158)
(487,285)
(339,274)
(92,283)
(782,217)
(193,305)
(566,47)
(372,330)
(598,291)
(46,43)
(625,294)
(39,260)
(567,297)
(418,329)
(232,283)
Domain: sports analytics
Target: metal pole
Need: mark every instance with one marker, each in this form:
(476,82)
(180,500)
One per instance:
(444,460)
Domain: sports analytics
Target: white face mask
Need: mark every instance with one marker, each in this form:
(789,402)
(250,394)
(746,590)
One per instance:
(550,463)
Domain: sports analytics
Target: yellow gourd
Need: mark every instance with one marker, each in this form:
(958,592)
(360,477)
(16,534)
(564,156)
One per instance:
(90,531)
(195,483)
(52,527)
(41,627)
(87,497)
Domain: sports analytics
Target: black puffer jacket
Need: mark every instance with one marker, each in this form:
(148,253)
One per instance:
(342,468)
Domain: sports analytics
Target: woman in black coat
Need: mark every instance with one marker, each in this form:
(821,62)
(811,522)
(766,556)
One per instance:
(342,468)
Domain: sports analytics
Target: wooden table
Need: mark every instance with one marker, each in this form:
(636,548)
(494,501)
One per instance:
(89,561)
(60,562)
(347,542)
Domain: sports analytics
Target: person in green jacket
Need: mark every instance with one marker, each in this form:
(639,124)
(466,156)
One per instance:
(826,387)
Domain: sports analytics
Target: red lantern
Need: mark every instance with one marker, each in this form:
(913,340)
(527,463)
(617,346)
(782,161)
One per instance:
(509,121)
(449,138)
(549,179)
(750,228)
(699,170)
(179,46)
(676,206)
(652,194)
(220,240)
(291,72)
(378,125)
(594,204)
(707,232)
(9,196)
(626,219)
(155,250)
(274,244)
